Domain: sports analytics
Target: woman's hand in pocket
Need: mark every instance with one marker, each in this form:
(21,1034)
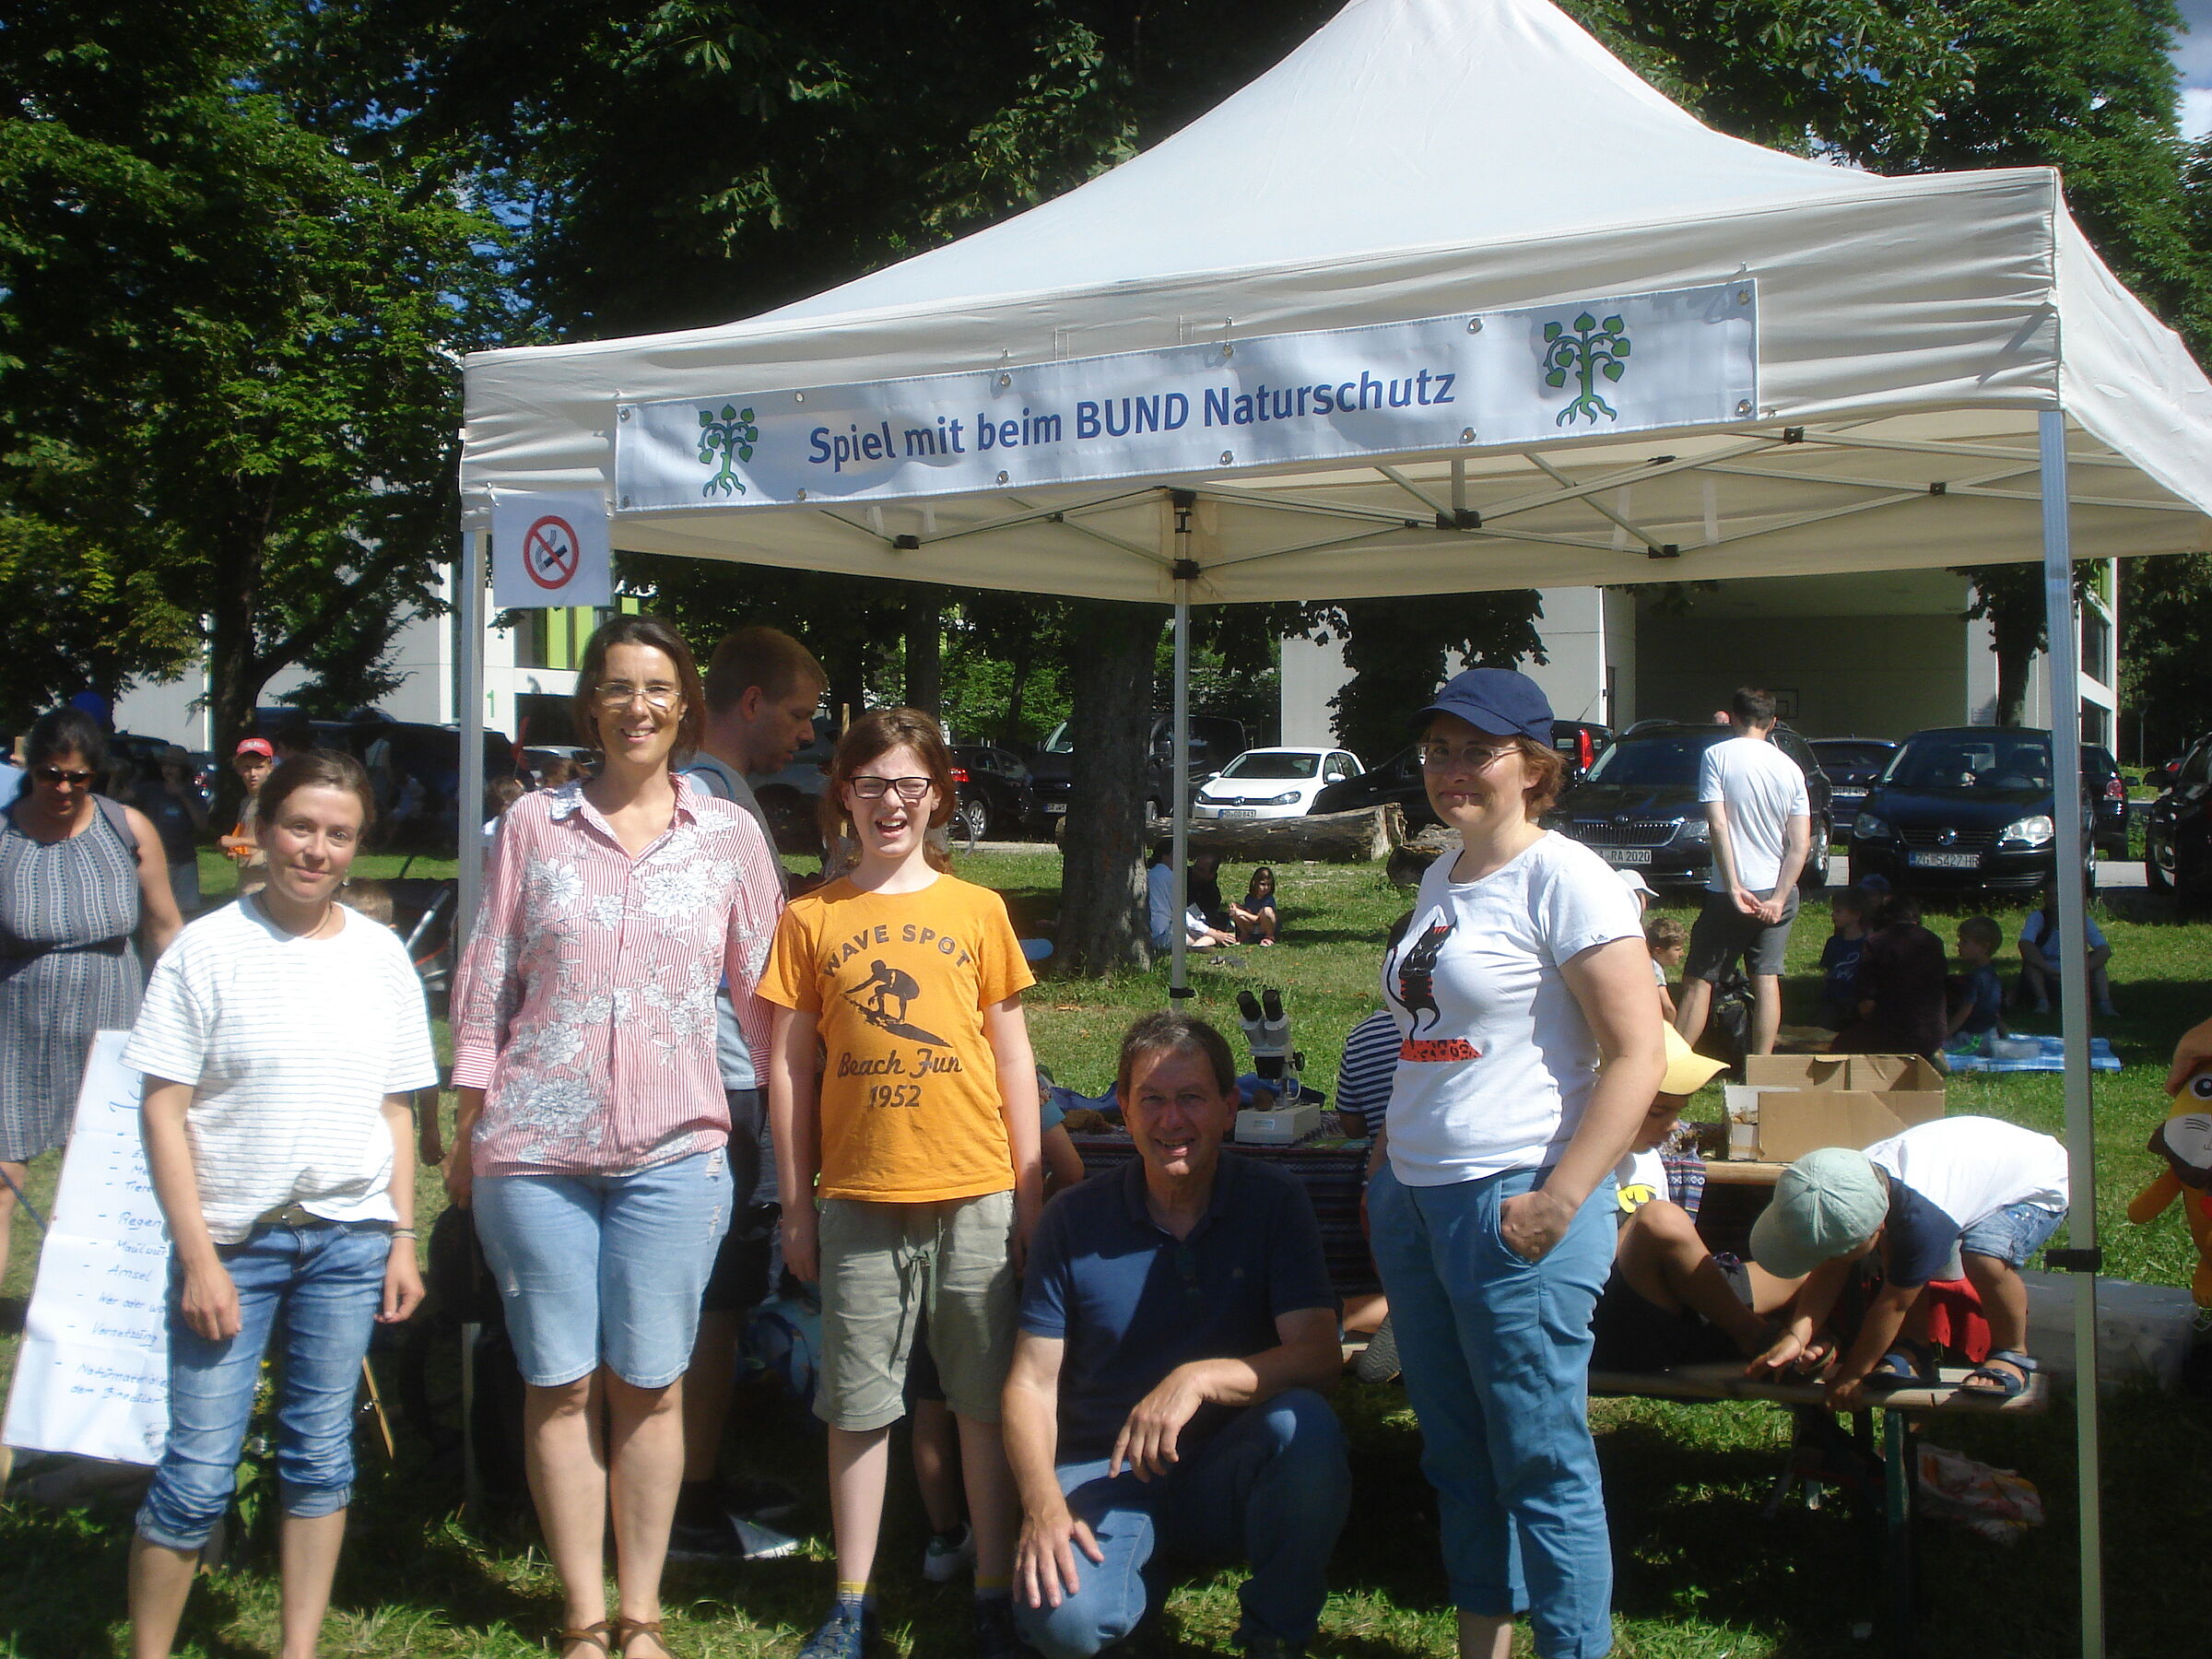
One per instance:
(1531,1222)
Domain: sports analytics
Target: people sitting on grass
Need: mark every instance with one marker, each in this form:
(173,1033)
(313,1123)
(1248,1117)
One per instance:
(1901,987)
(1177,1333)
(2040,958)
(1667,940)
(1971,1196)
(1159,907)
(1849,911)
(1255,919)
(1669,1299)
(1977,1010)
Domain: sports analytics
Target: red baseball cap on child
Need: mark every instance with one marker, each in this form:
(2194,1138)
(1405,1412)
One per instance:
(254,745)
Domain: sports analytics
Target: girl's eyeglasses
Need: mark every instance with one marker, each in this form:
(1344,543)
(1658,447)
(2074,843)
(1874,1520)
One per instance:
(910,790)
(55,774)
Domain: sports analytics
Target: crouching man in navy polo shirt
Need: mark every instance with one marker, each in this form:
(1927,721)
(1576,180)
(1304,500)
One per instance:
(1177,1327)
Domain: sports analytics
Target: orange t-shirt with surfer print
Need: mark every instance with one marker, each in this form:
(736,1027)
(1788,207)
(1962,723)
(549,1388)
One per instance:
(898,984)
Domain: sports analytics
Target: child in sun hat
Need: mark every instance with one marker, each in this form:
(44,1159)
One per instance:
(1975,1191)
(1669,1299)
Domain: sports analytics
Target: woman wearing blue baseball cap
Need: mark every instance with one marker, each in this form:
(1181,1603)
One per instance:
(1529,1051)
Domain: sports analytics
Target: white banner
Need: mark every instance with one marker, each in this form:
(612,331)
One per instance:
(549,549)
(92,1375)
(1535,375)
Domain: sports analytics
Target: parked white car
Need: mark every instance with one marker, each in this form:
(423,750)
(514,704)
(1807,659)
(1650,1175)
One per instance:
(1273,782)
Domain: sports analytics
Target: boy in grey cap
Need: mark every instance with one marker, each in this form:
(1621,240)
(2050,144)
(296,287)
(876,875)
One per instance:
(1975,1191)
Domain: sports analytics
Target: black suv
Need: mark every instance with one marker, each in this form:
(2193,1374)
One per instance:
(1851,765)
(1397,782)
(1637,806)
(1216,740)
(1965,807)
(2177,855)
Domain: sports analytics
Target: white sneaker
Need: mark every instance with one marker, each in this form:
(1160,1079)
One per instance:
(947,1554)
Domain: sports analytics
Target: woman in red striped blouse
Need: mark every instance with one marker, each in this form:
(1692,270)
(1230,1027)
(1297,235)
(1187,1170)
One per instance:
(593,1121)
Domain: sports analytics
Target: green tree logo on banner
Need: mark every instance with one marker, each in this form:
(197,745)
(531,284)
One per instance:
(732,438)
(1594,348)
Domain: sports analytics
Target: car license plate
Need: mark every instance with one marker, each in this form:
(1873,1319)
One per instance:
(1052,806)
(1624,855)
(1229,812)
(1947,861)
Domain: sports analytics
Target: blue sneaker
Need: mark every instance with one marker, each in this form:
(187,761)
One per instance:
(847,1633)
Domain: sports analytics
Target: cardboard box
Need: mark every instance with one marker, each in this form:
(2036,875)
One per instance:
(1278,1125)
(1811,1100)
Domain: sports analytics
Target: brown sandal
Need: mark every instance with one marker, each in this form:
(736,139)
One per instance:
(597,1633)
(628,1630)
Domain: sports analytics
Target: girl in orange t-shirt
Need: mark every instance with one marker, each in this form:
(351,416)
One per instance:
(903,1095)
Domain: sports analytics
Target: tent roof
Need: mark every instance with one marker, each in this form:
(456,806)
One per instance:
(1420,159)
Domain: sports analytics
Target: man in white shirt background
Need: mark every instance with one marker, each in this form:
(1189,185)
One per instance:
(1760,818)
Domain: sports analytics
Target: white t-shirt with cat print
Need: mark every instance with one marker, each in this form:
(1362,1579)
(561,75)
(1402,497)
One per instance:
(1495,1059)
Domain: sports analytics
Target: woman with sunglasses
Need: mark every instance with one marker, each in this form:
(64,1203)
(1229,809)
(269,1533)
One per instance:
(592,1125)
(1529,1052)
(80,876)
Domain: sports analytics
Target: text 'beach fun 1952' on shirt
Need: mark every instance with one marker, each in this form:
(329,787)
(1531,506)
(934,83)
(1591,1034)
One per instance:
(585,1008)
(897,983)
(289,1045)
(1495,1059)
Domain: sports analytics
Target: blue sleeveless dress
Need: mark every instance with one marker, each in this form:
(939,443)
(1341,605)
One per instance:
(68,967)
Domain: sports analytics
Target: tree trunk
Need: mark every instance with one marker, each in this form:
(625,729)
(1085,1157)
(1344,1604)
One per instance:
(1359,837)
(2015,650)
(1103,923)
(1017,686)
(925,653)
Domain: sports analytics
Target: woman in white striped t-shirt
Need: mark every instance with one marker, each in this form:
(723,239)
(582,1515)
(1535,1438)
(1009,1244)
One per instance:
(281,1038)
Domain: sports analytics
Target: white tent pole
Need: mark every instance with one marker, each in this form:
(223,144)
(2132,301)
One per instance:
(468,715)
(1179,933)
(2073,1006)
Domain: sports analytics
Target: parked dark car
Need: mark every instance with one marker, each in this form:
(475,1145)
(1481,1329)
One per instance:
(1637,806)
(1216,740)
(994,792)
(2177,833)
(2108,800)
(1398,780)
(1964,808)
(1851,765)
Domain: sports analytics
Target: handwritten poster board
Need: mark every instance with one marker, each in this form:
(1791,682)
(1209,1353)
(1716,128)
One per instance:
(92,1376)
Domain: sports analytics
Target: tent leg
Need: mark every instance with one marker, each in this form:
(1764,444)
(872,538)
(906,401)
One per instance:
(2074,1006)
(1178,932)
(469,716)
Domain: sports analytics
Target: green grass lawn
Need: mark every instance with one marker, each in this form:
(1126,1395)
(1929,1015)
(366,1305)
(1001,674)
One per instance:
(1700,1572)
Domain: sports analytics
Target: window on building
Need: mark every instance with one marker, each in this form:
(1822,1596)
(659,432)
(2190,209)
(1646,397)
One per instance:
(2096,645)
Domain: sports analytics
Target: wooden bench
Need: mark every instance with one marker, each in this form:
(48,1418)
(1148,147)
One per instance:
(1894,1567)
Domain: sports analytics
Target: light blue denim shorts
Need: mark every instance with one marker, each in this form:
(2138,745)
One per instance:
(2013,1234)
(604,1270)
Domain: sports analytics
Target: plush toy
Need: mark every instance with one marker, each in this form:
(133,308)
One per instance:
(2184,1141)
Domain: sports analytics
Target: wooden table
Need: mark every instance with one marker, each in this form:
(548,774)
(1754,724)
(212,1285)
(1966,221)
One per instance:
(1894,1566)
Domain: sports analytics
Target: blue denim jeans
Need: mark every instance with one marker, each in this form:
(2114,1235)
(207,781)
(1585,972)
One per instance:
(326,1281)
(1270,1488)
(1496,1352)
(604,1270)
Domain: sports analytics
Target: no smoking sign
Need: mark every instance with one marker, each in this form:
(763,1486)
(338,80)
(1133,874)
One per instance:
(549,551)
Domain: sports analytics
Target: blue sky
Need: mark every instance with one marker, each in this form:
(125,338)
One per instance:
(2193,57)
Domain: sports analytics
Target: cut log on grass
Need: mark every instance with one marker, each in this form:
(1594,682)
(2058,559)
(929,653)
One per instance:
(1329,838)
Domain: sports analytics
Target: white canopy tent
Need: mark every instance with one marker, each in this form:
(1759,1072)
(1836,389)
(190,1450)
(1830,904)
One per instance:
(1836,372)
